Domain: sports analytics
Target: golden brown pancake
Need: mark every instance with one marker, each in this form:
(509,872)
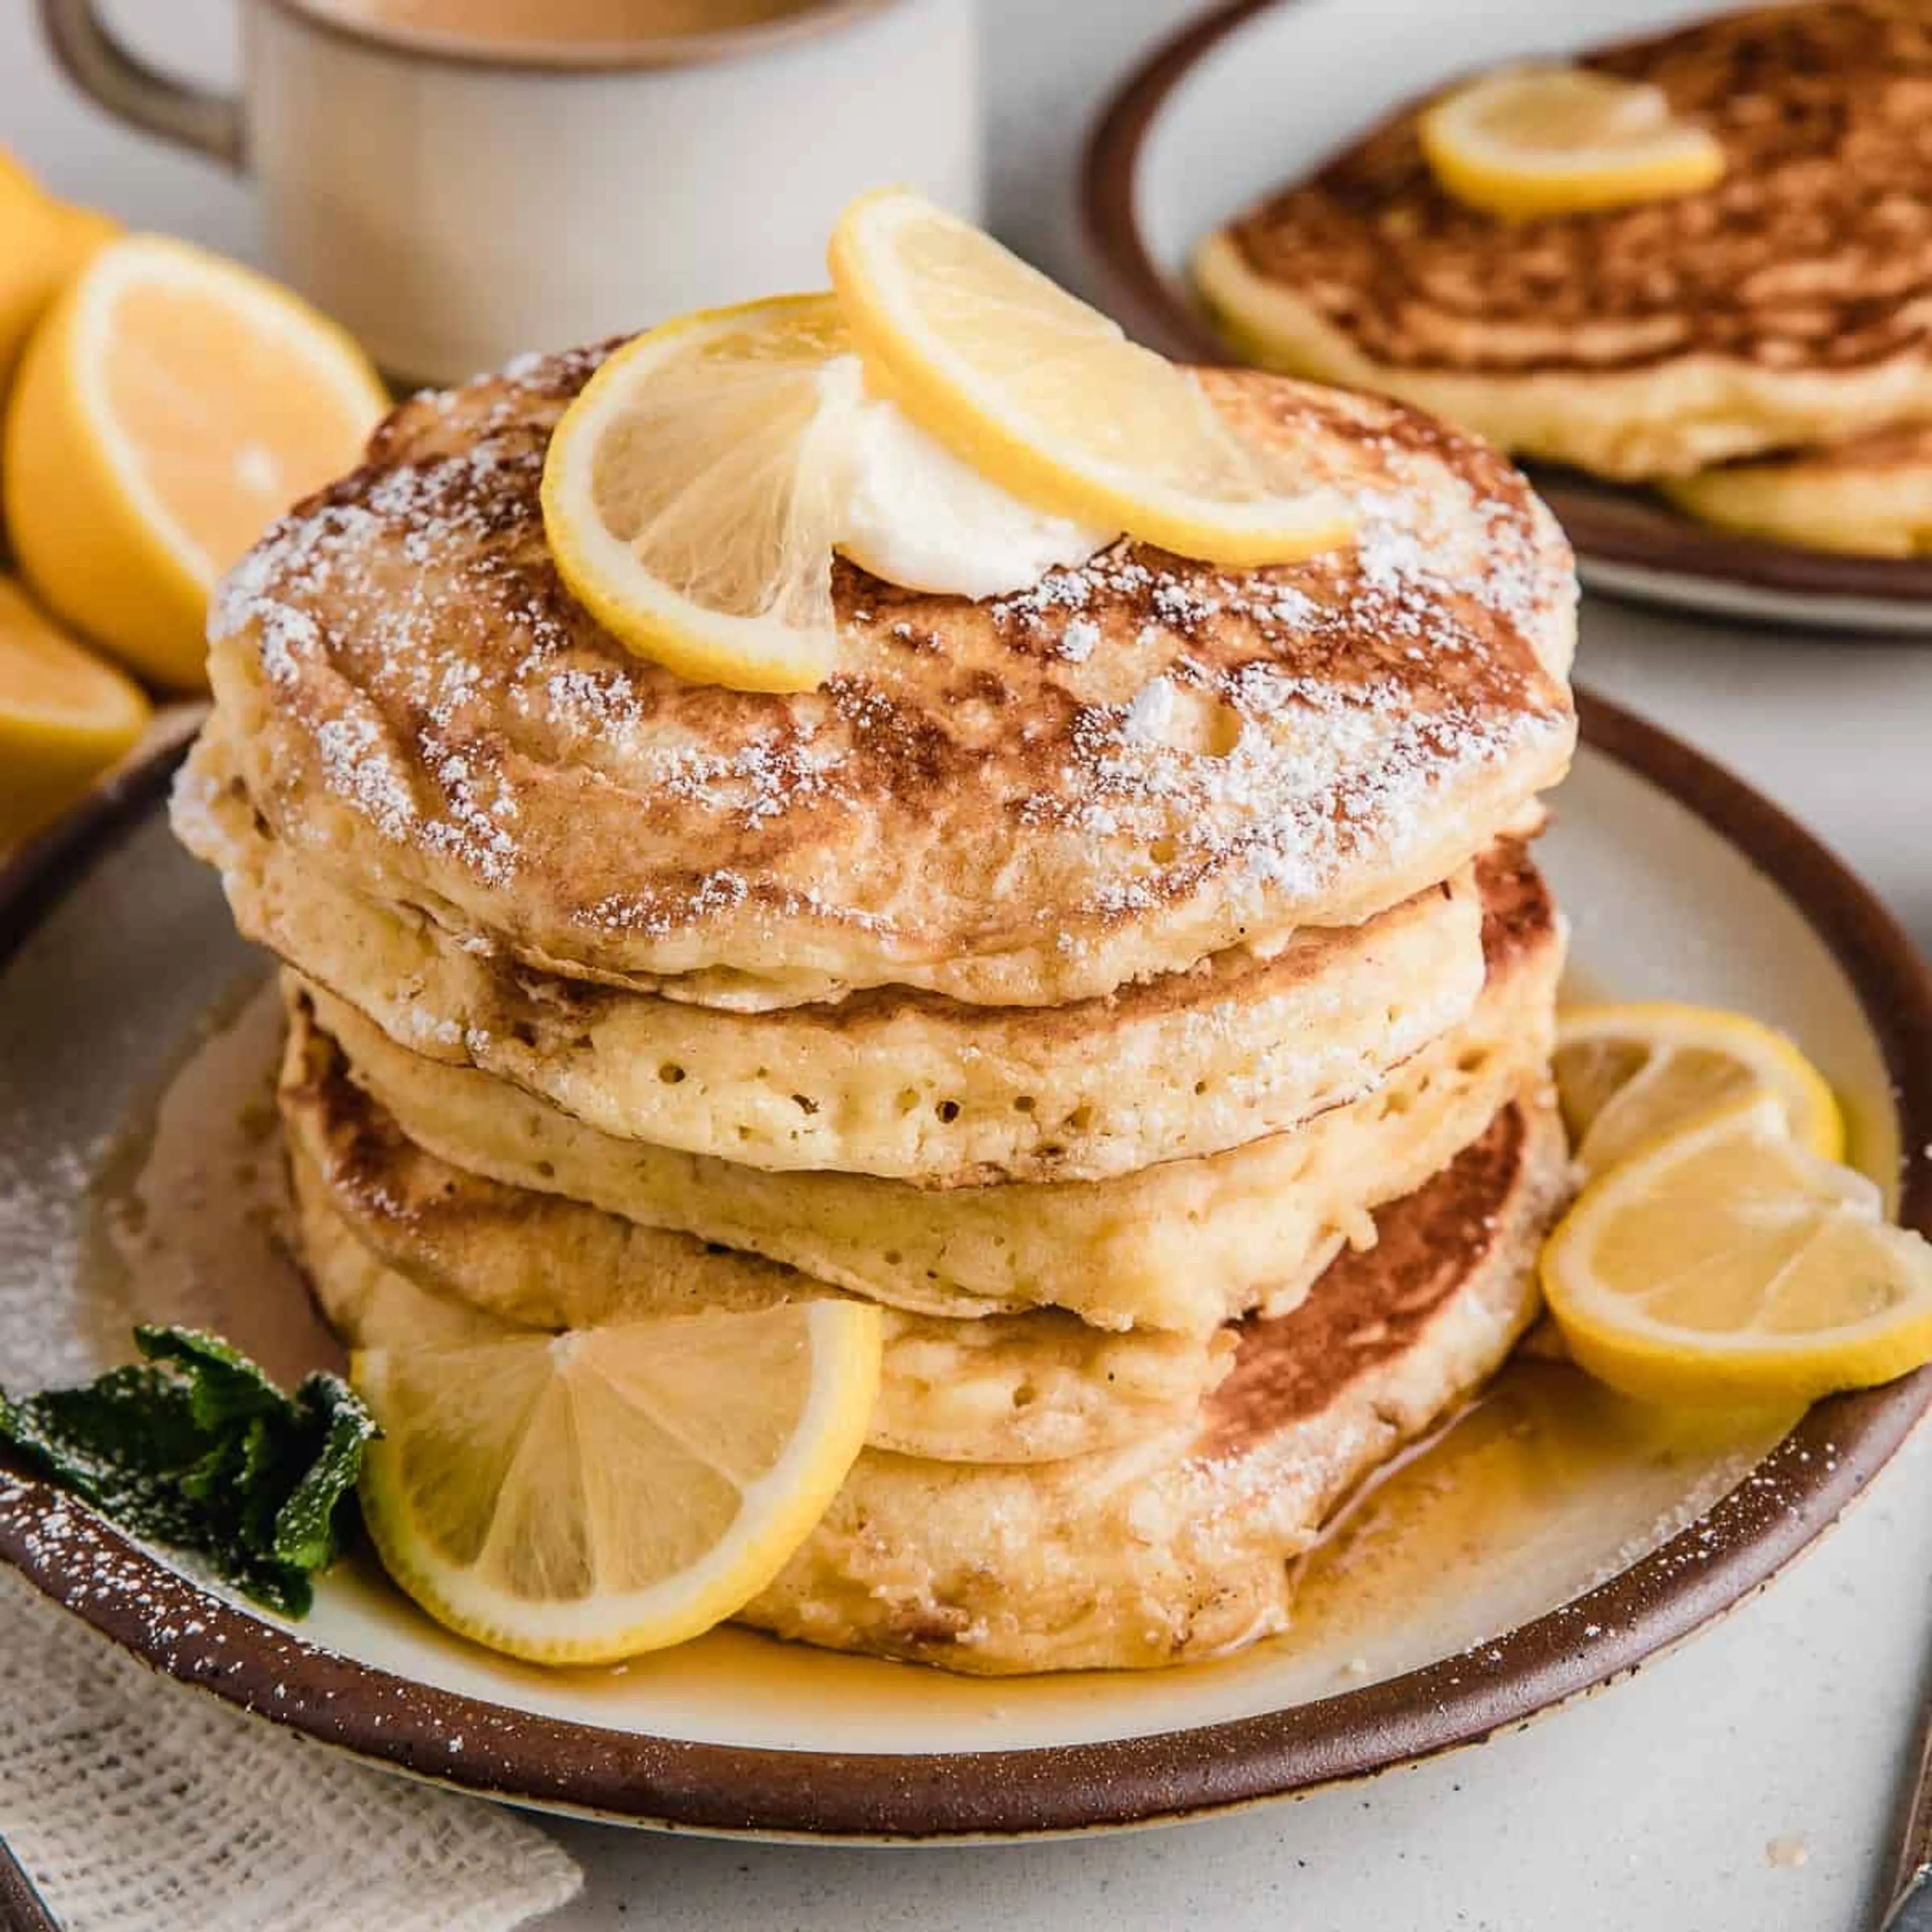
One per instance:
(1869,497)
(906,1085)
(1183,1245)
(1182,1549)
(1125,768)
(1788,305)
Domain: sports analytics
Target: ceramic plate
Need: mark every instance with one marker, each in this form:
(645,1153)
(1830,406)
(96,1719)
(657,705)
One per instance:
(1257,93)
(135,1046)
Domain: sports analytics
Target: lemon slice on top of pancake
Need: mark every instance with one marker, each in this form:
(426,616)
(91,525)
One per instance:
(692,493)
(1545,140)
(1047,398)
(579,1498)
(695,492)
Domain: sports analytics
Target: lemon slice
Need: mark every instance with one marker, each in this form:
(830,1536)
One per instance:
(1725,1265)
(1529,141)
(579,1498)
(64,717)
(1626,1074)
(1046,397)
(694,491)
(170,406)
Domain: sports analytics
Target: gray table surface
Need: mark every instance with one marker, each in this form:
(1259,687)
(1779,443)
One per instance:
(1655,1805)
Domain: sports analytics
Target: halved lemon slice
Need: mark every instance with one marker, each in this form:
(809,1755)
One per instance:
(170,405)
(1725,1265)
(64,717)
(1047,398)
(579,1498)
(1627,1074)
(1535,140)
(693,492)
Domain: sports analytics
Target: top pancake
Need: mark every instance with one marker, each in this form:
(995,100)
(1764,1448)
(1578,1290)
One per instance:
(1789,304)
(1025,802)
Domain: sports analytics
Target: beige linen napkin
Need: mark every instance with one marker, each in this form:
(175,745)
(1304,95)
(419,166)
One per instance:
(137,1804)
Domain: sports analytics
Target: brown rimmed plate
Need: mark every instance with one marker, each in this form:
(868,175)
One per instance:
(1255,93)
(114,949)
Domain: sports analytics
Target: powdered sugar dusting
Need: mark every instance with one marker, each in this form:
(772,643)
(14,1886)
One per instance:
(1325,745)
(1140,738)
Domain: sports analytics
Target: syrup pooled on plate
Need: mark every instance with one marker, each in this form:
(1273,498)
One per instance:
(1505,1487)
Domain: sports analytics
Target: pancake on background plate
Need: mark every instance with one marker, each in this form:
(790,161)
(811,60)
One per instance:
(1870,497)
(1784,308)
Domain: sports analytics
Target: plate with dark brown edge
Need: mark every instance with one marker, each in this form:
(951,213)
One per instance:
(1549,1541)
(1256,93)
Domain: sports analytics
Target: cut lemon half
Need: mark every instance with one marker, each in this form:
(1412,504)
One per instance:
(1047,398)
(694,491)
(1725,1265)
(170,405)
(1627,1074)
(1539,140)
(64,717)
(43,241)
(579,1497)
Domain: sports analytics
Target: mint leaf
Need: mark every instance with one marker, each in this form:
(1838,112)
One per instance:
(308,1530)
(198,1448)
(223,1383)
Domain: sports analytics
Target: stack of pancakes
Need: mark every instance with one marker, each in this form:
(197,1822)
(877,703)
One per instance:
(1139,987)
(1762,349)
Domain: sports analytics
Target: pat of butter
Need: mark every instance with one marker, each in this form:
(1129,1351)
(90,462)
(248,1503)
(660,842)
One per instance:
(916,515)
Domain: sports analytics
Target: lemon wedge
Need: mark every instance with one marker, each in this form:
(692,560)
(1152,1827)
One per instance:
(1046,398)
(1726,1266)
(693,493)
(170,404)
(64,717)
(1538,140)
(42,241)
(579,1497)
(1627,1074)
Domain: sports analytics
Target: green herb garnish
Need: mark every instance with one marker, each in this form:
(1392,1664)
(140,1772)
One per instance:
(197,1447)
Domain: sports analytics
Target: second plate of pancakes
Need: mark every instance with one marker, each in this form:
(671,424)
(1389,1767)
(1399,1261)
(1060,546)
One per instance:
(1259,94)
(1549,1540)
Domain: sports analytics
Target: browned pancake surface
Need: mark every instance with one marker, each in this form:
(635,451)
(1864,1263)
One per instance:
(1814,252)
(1373,1305)
(1033,798)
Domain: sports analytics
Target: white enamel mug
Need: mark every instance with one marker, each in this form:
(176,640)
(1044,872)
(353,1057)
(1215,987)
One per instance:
(454,204)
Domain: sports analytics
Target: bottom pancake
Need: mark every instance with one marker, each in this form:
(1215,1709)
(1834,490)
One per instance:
(396,1242)
(1182,1549)
(1870,497)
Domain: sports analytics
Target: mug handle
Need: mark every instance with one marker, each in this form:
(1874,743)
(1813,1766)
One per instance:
(100,67)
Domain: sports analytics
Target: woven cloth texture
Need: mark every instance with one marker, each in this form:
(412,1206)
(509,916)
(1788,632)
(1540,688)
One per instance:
(136,1805)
